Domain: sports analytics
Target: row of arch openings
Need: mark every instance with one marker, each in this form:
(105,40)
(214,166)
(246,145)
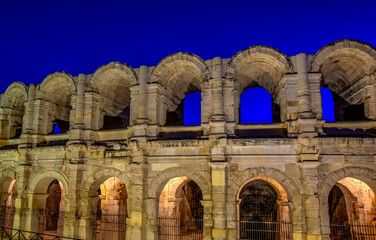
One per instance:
(263,210)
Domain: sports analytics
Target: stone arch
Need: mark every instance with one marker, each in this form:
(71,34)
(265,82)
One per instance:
(366,50)
(158,183)
(260,66)
(180,74)
(15,96)
(41,181)
(347,69)
(90,201)
(58,88)
(94,180)
(282,194)
(291,188)
(113,82)
(255,63)
(364,174)
(13,109)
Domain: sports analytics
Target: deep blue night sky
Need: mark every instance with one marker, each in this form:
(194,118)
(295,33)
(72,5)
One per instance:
(42,37)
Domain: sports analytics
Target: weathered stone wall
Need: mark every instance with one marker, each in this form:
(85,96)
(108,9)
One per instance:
(303,161)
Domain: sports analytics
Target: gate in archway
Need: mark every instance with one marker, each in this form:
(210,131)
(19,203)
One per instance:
(109,226)
(180,229)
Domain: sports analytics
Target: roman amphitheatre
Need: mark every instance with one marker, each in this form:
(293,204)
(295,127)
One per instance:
(107,155)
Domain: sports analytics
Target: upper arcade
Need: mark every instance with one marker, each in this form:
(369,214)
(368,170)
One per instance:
(117,96)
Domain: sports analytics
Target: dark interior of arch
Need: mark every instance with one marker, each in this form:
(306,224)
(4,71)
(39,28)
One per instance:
(60,126)
(337,206)
(343,110)
(258,106)
(52,210)
(117,122)
(188,112)
(193,195)
(258,202)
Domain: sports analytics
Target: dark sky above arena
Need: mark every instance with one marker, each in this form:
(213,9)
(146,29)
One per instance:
(42,37)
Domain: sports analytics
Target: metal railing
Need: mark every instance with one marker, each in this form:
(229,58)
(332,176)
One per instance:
(257,230)
(180,229)
(109,226)
(354,231)
(11,233)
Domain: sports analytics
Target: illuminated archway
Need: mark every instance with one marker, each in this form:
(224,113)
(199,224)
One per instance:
(180,212)
(8,197)
(263,212)
(48,206)
(352,212)
(110,210)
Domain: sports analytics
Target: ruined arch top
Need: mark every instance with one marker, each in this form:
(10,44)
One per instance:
(58,88)
(15,96)
(113,81)
(105,75)
(157,184)
(180,73)
(365,49)
(260,64)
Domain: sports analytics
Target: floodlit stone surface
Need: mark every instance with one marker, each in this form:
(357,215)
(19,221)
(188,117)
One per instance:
(117,152)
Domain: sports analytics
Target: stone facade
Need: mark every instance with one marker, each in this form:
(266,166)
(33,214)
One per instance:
(114,125)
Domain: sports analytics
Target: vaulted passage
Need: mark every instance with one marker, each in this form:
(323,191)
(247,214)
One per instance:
(48,203)
(8,210)
(262,212)
(180,213)
(109,220)
(352,210)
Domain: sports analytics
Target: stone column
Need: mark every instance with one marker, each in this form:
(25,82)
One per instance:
(136,214)
(142,94)
(306,120)
(80,102)
(370,98)
(208,221)
(77,113)
(311,201)
(217,122)
(218,172)
(303,91)
(217,90)
(71,200)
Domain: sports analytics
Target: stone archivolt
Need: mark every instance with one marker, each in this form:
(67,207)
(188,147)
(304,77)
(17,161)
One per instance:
(116,138)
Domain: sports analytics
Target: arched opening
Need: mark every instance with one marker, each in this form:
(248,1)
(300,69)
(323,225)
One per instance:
(352,212)
(180,212)
(57,90)
(335,108)
(327,105)
(7,208)
(48,207)
(110,213)
(117,122)
(12,110)
(54,209)
(257,106)
(192,109)
(188,112)
(263,212)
